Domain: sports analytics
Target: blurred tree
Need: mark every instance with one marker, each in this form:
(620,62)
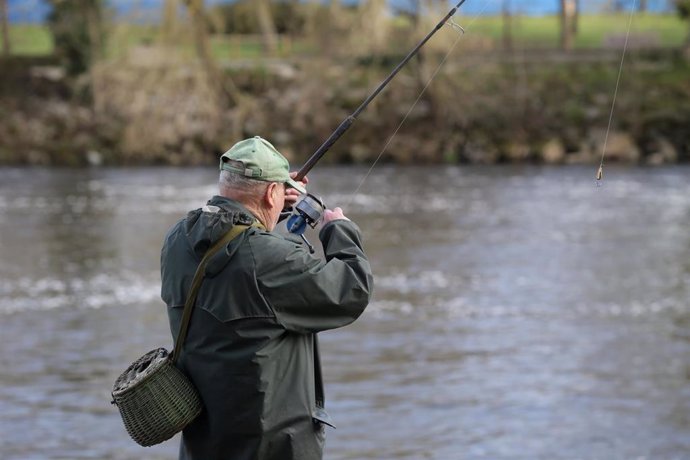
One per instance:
(507,26)
(683,8)
(643,6)
(77,32)
(576,17)
(222,84)
(416,6)
(197,14)
(567,31)
(290,17)
(269,36)
(428,14)
(241,17)
(169,24)
(373,27)
(5,28)
(238,17)
(326,24)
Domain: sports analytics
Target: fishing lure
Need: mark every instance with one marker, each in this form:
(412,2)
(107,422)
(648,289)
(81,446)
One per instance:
(600,171)
(600,174)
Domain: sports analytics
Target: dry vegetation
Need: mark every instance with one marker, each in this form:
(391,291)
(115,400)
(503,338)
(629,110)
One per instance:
(173,100)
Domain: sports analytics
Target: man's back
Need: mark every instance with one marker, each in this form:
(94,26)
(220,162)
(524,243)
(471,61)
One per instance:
(251,346)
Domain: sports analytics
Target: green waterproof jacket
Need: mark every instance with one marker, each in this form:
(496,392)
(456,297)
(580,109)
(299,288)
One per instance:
(251,349)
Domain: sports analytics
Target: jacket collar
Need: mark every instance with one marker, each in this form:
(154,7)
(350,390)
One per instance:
(205,226)
(229,205)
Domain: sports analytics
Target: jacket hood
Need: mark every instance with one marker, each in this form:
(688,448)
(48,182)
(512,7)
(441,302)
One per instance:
(205,226)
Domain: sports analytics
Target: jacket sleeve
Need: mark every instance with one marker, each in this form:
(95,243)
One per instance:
(309,294)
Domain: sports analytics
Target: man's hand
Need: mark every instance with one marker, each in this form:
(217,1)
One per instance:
(331,215)
(292,195)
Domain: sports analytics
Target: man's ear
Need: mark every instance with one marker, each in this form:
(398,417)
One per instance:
(270,194)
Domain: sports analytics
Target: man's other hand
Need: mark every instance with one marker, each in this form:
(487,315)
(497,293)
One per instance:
(292,195)
(331,215)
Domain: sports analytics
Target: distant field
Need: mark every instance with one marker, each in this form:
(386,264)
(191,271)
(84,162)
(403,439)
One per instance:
(595,31)
(30,40)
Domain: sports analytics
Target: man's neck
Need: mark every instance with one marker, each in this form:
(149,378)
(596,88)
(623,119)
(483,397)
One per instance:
(261,215)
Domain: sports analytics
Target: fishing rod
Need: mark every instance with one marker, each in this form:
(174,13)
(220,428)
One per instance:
(347,122)
(310,209)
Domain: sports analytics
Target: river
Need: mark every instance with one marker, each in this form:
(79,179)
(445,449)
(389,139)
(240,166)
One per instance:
(519,312)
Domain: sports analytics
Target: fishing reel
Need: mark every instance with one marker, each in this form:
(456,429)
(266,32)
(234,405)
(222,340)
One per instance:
(308,211)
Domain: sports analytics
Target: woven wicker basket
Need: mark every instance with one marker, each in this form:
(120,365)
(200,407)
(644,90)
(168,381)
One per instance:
(156,400)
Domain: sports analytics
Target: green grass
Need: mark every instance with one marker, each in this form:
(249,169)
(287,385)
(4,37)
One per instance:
(122,36)
(30,40)
(229,47)
(594,30)
(666,30)
(543,32)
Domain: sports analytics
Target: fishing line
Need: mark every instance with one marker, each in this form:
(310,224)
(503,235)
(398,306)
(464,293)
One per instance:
(308,210)
(461,32)
(600,171)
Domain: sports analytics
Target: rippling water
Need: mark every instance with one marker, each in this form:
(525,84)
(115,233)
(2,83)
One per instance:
(519,312)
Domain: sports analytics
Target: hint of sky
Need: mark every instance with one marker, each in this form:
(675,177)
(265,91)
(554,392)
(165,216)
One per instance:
(32,11)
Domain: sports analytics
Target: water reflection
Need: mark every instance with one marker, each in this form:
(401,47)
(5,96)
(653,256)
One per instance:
(519,312)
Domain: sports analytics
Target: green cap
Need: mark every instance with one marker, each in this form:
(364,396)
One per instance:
(261,161)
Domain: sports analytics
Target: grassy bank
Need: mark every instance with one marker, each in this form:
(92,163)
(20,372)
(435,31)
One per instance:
(30,40)
(161,109)
(595,31)
(146,100)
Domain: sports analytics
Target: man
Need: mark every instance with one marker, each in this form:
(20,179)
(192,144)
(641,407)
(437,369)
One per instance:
(251,349)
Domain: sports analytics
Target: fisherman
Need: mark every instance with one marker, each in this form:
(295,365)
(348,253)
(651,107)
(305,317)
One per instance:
(252,350)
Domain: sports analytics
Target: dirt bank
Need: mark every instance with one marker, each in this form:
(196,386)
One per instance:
(150,109)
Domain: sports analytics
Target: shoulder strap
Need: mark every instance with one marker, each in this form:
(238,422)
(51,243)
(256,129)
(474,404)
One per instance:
(196,284)
(318,378)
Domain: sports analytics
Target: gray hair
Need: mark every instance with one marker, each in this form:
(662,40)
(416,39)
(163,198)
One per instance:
(234,183)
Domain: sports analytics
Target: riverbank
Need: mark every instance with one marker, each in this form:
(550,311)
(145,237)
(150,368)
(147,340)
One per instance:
(151,107)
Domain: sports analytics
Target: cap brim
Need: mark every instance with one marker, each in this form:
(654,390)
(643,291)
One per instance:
(296,185)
